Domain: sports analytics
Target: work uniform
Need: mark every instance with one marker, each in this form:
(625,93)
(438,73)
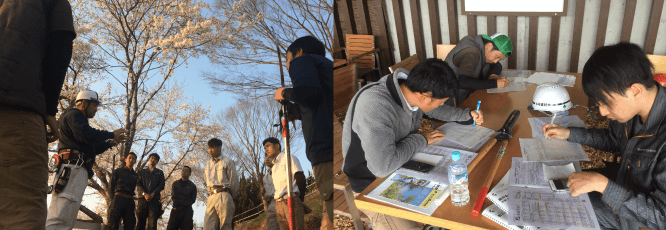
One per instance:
(150,182)
(312,77)
(381,134)
(468,61)
(636,194)
(269,192)
(280,181)
(123,183)
(223,183)
(184,194)
(75,135)
(34,55)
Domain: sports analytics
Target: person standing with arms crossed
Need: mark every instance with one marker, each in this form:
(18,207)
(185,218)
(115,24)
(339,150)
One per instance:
(151,184)
(222,182)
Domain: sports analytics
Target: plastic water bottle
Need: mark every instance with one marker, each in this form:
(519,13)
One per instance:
(458,180)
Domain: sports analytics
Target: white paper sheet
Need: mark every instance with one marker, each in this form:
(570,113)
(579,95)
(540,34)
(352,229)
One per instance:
(543,150)
(516,74)
(564,121)
(451,144)
(527,174)
(540,78)
(466,135)
(545,208)
(513,86)
(556,172)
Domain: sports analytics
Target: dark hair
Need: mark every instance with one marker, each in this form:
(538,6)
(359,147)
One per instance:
(271,140)
(309,45)
(187,167)
(154,155)
(614,68)
(214,143)
(130,153)
(435,76)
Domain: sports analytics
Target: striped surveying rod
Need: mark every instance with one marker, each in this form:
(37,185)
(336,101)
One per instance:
(285,139)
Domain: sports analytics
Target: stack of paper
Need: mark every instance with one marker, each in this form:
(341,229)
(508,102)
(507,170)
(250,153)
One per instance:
(540,78)
(565,121)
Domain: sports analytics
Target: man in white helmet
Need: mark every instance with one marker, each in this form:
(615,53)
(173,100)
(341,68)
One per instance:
(78,145)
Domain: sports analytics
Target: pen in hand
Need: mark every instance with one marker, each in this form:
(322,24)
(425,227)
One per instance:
(551,123)
(477,111)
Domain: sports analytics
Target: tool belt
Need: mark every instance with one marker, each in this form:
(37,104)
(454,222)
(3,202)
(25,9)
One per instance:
(214,190)
(180,207)
(124,195)
(72,156)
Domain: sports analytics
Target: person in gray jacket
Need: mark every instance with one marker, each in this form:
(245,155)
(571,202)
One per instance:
(632,194)
(381,129)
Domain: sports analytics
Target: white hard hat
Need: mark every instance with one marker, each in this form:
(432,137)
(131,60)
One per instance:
(88,95)
(552,98)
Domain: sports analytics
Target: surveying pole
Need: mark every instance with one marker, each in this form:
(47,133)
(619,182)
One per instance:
(285,139)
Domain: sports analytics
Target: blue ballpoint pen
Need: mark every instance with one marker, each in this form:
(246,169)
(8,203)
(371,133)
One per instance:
(477,111)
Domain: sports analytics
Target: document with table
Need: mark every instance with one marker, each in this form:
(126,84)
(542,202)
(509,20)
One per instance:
(547,208)
(543,150)
(541,78)
(466,135)
(565,121)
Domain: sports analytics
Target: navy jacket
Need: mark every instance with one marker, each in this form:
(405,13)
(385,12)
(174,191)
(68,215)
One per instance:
(312,77)
(76,133)
(123,180)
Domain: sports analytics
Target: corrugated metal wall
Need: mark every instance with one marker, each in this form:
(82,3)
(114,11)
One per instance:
(560,44)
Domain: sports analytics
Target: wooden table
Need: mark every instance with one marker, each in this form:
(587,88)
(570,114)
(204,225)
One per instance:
(496,109)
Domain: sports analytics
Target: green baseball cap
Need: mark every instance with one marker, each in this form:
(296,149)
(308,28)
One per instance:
(502,42)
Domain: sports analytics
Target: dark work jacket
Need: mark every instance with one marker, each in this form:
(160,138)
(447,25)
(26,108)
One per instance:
(76,133)
(184,193)
(483,69)
(638,194)
(35,51)
(151,182)
(123,180)
(312,77)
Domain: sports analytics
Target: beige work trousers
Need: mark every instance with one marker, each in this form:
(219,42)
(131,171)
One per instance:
(219,212)
(381,221)
(65,205)
(282,208)
(23,170)
(271,217)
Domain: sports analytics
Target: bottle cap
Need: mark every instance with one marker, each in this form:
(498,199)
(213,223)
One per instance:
(455,156)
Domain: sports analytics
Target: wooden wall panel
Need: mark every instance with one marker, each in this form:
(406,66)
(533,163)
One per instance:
(532,47)
(435,28)
(400,29)
(418,29)
(628,22)
(513,34)
(653,26)
(554,36)
(577,33)
(603,23)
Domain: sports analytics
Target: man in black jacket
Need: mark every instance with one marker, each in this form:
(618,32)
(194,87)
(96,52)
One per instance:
(632,194)
(123,183)
(34,54)
(184,194)
(311,74)
(151,184)
(78,146)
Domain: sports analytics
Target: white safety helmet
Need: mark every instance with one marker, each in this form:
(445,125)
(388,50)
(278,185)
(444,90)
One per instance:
(551,98)
(87,95)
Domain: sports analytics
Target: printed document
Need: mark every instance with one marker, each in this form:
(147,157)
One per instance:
(564,121)
(546,208)
(544,150)
(541,78)
(466,135)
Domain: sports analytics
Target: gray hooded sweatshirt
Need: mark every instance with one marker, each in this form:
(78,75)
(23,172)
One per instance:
(381,132)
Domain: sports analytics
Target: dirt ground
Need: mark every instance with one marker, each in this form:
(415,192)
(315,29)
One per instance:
(593,121)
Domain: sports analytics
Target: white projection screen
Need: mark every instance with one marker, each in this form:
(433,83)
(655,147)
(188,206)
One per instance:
(515,7)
